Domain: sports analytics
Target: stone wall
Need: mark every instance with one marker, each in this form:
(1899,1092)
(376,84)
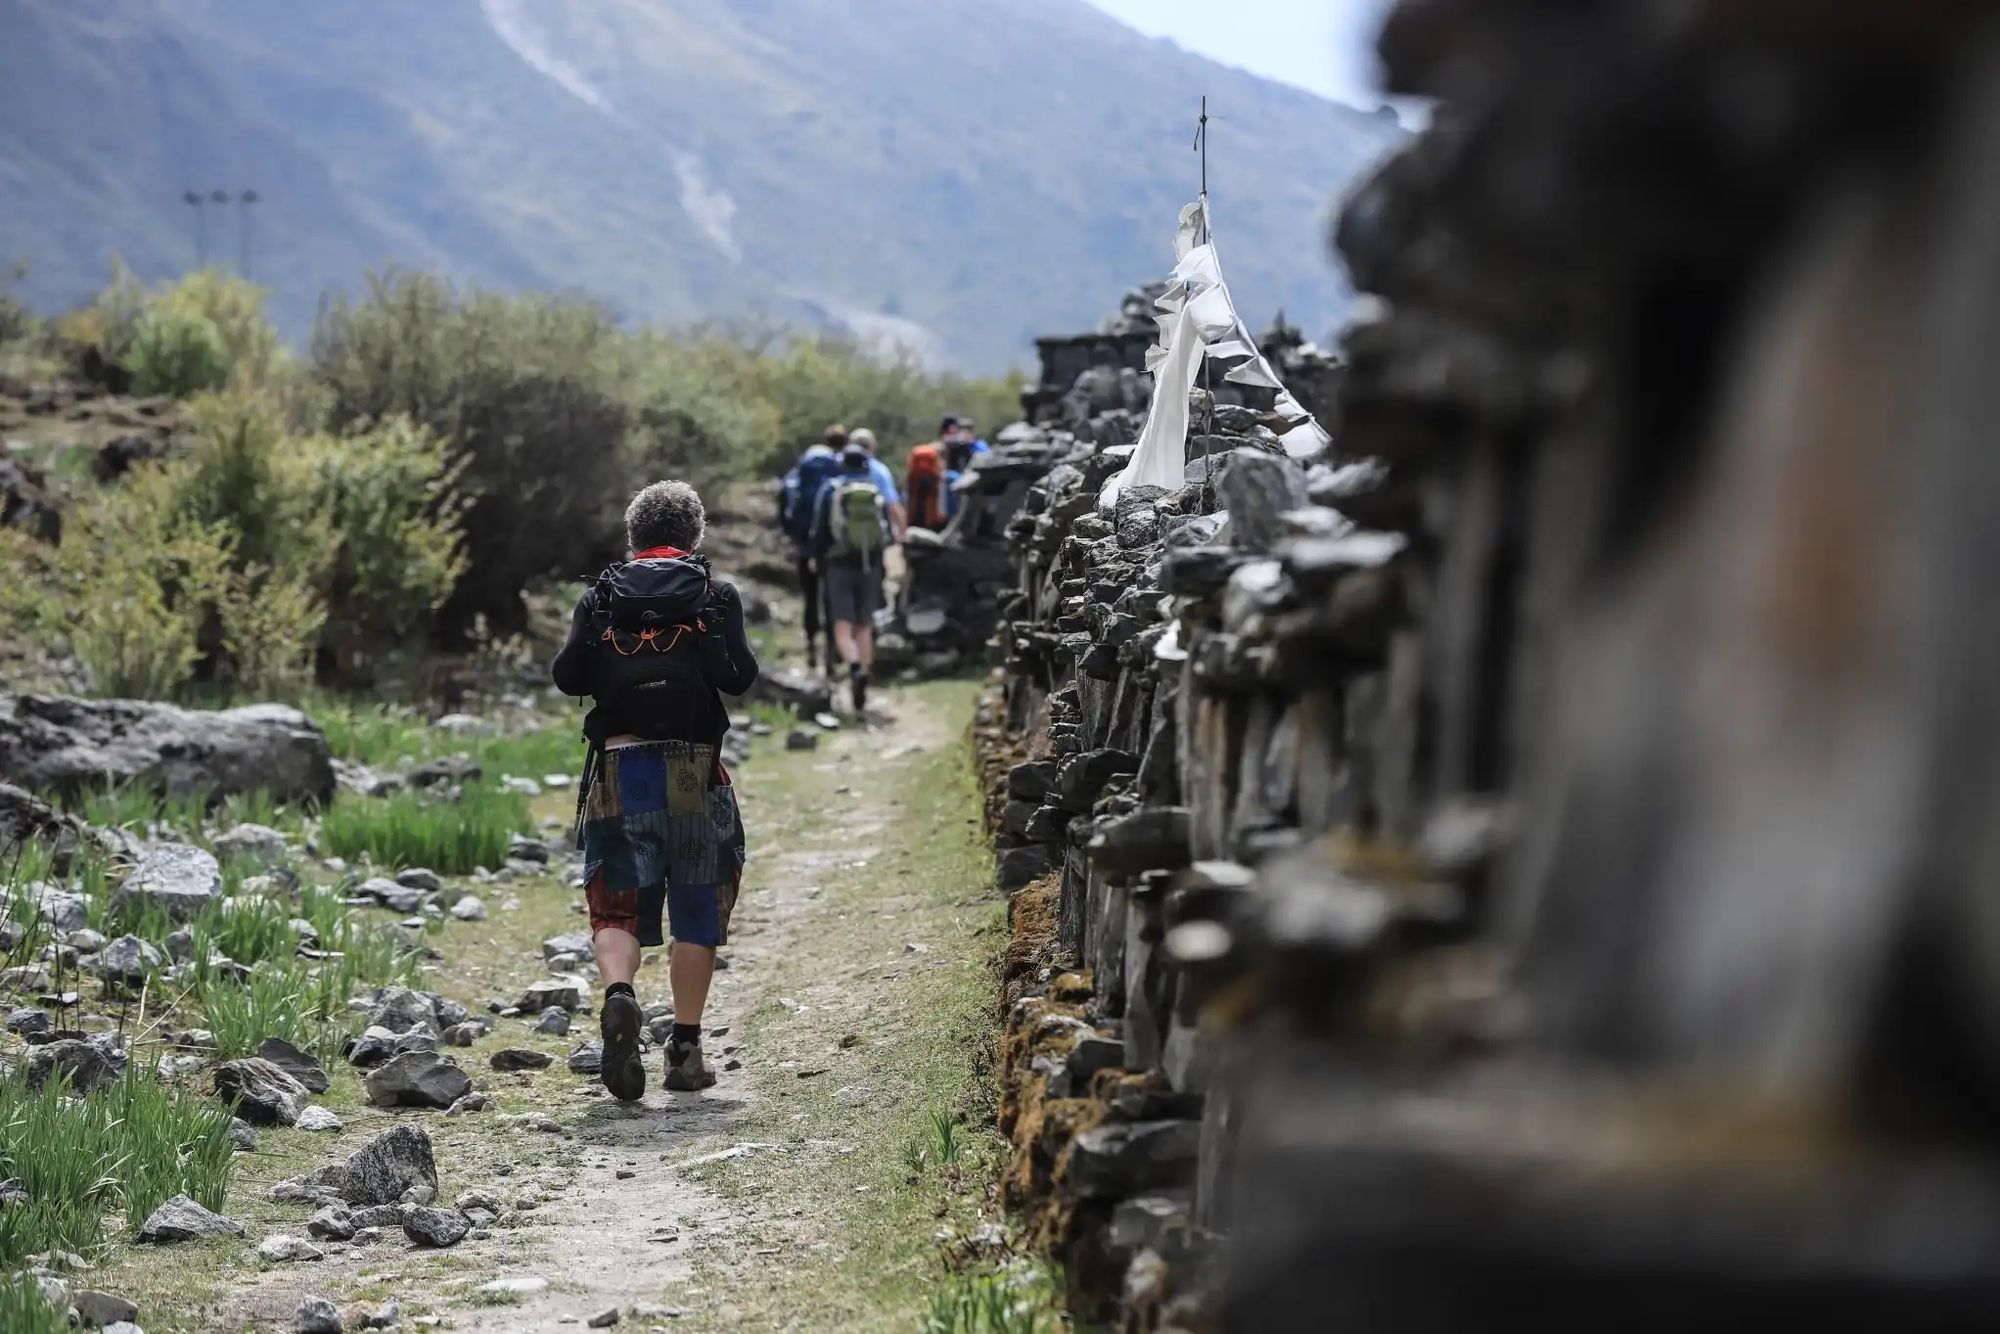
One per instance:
(1539,857)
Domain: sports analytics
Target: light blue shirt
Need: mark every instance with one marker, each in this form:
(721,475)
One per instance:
(885,482)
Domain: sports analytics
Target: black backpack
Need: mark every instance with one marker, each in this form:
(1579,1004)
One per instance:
(648,617)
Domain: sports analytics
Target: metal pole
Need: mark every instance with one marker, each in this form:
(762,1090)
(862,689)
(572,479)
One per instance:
(243,202)
(194,201)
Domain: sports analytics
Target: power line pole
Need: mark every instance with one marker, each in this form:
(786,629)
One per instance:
(244,199)
(194,201)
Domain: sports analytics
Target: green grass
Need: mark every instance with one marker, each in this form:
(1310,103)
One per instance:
(1007,1302)
(414,829)
(122,1150)
(22,1310)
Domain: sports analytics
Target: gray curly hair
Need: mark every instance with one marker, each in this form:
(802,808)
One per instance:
(665,514)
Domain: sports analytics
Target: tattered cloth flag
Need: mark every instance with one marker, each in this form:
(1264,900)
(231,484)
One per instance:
(1198,319)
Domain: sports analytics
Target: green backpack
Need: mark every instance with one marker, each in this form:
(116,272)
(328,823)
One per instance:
(858,521)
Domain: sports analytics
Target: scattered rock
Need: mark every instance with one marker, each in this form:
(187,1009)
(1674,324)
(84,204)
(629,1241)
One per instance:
(295,1063)
(242,1134)
(95,1310)
(84,1064)
(316,1315)
(510,1059)
(417,1079)
(175,877)
(471,1102)
(524,1286)
(435,1227)
(261,1090)
(604,1319)
(379,1172)
(588,1058)
(800,739)
(181,1219)
(281,1248)
(555,1022)
(318,1119)
(128,961)
(401,1010)
(465,1034)
(571,942)
(26,1022)
(421,878)
(395,897)
(333,1222)
(559,993)
(252,843)
(469,909)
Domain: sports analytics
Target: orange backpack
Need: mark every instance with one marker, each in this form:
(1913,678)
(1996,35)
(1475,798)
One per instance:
(925,485)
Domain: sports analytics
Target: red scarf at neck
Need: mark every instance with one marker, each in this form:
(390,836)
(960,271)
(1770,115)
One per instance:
(660,553)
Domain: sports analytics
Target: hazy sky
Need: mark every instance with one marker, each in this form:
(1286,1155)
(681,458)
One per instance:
(1324,45)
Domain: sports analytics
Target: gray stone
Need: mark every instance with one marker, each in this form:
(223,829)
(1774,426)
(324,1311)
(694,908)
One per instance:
(465,1034)
(1019,867)
(588,1058)
(420,878)
(510,1059)
(401,1010)
(572,942)
(471,1102)
(176,877)
(554,1022)
(242,1134)
(58,744)
(527,849)
(97,1309)
(469,909)
(1259,488)
(85,1065)
(417,1079)
(85,941)
(316,1315)
(378,1215)
(1122,1159)
(560,993)
(281,1248)
(395,897)
(374,1046)
(318,1118)
(295,1063)
(604,1319)
(379,1172)
(28,1021)
(1031,780)
(251,843)
(67,912)
(435,1227)
(180,944)
(181,1219)
(262,1092)
(800,739)
(333,1222)
(24,818)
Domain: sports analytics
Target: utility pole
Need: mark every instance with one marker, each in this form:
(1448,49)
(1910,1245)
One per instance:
(194,201)
(244,199)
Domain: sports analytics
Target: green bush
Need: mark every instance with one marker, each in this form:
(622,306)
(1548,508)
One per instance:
(176,351)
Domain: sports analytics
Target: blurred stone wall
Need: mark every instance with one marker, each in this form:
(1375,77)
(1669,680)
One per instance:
(1541,856)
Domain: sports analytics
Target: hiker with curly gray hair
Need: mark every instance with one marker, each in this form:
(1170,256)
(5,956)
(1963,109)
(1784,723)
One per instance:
(654,643)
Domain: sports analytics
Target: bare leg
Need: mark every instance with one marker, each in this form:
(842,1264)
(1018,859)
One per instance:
(690,968)
(617,955)
(864,646)
(844,636)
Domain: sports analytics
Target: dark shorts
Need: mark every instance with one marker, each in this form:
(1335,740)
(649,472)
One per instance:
(853,592)
(660,839)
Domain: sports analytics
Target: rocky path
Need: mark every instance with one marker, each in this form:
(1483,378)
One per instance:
(787,1196)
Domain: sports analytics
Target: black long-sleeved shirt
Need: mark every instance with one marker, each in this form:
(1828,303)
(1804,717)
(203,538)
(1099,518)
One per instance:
(728,665)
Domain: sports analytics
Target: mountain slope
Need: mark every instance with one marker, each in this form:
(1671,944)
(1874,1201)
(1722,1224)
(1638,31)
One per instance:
(955,175)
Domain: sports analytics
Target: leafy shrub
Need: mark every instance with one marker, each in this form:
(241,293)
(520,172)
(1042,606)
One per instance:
(176,351)
(234,306)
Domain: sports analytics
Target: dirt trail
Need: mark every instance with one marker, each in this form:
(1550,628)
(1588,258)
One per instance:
(661,1209)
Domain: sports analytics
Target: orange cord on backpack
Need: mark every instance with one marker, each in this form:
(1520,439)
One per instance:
(651,637)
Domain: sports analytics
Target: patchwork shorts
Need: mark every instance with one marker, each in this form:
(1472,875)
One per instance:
(661,839)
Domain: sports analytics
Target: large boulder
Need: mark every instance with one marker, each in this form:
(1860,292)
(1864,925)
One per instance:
(417,1079)
(307,1070)
(175,876)
(86,1065)
(380,1171)
(264,1094)
(56,743)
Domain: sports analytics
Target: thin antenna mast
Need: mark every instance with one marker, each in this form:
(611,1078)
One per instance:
(1207,366)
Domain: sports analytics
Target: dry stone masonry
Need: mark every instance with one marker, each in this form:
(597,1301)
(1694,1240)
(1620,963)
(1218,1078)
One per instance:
(1537,857)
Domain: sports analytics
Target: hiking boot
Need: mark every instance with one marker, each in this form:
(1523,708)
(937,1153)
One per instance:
(622,1071)
(686,1070)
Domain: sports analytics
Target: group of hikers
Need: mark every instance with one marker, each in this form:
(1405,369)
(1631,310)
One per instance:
(654,643)
(840,507)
